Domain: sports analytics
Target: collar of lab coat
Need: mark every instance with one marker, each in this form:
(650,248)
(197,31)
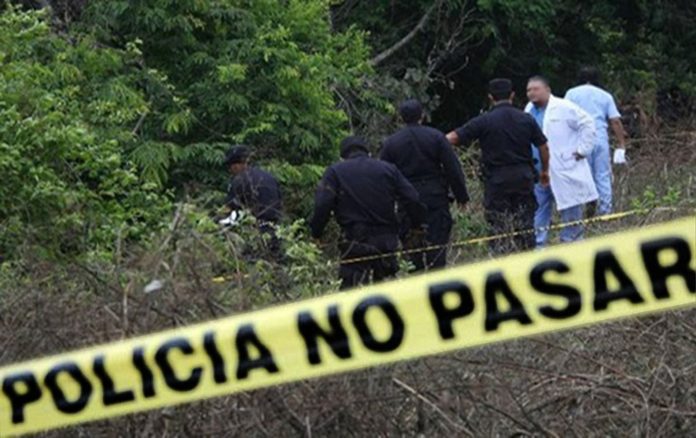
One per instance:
(554,102)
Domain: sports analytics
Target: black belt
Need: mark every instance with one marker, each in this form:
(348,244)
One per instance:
(440,179)
(502,166)
(361,231)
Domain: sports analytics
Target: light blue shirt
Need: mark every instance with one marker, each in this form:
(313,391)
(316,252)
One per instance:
(597,103)
(538,113)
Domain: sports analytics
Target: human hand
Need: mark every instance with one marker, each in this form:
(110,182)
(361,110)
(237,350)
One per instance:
(417,237)
(544,179)
(620,156)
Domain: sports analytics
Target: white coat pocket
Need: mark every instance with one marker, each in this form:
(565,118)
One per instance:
(565,161)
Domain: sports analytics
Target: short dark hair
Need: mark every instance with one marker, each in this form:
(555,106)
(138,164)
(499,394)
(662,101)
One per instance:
(411,111)
(539,78)
(353,144)
(500,89)
(589,75)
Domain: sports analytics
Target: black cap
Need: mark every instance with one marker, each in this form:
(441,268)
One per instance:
(411,111)
(236,154)
(500,88)
(353,143)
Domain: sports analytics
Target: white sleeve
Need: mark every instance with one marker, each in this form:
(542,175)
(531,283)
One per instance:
(612,110)
(583,123)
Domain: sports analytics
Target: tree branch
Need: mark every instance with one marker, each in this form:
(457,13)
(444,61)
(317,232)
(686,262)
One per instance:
(381,57)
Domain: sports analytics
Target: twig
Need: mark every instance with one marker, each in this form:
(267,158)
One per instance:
(139,124)
(436,408)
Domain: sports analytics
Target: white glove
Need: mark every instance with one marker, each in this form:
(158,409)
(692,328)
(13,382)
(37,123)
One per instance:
(231,220)
(620,156)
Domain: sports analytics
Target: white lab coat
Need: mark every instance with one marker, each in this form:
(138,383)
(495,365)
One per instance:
(569,129)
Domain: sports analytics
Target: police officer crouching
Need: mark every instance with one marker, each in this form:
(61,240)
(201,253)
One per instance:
(255,190)
(362,193)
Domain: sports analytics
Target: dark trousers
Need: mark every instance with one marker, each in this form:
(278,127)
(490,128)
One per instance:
(510,208)
(380,254)
(438,235)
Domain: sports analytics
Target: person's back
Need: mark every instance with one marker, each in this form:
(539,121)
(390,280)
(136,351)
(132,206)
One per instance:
(258,191)
(424,156)
(505,134)
(367,193)
(362,193)
(254,190)
(414,151)
(598,104)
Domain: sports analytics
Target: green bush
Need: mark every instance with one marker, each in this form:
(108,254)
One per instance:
(67,109)
(239,71)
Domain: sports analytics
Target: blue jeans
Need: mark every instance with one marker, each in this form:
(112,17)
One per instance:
(544,212)
(600,163)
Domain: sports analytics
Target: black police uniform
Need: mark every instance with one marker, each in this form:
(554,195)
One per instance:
(505,134)
(259,192)
(429,162)
(362,192)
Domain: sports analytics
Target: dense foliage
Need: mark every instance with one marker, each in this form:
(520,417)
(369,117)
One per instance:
(140,99)
(113,111)
(644,48)
(239,71)
(66,112)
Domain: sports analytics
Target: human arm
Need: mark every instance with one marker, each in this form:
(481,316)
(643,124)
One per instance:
(544,178)
(234,194)
(453,172)
(620,133)
(617,127)
(541,142)
(385,152)
(408,197)
(466,134)
(582,122)
(324,203)
(453,138)
(614,117)
(230,204)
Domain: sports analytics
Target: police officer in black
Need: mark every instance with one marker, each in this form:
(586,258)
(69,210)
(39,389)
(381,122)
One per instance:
(429,162)
(254,190)
(362,192)
(505,134)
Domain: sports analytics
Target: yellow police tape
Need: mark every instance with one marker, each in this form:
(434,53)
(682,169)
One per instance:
(643,271)
(491,238)
(484,239)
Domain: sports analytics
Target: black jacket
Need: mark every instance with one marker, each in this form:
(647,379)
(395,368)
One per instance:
(362,193)
(428,161)
(257,191)
(506,135)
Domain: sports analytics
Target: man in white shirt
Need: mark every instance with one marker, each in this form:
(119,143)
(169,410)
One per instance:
(601,106)
(571,137)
